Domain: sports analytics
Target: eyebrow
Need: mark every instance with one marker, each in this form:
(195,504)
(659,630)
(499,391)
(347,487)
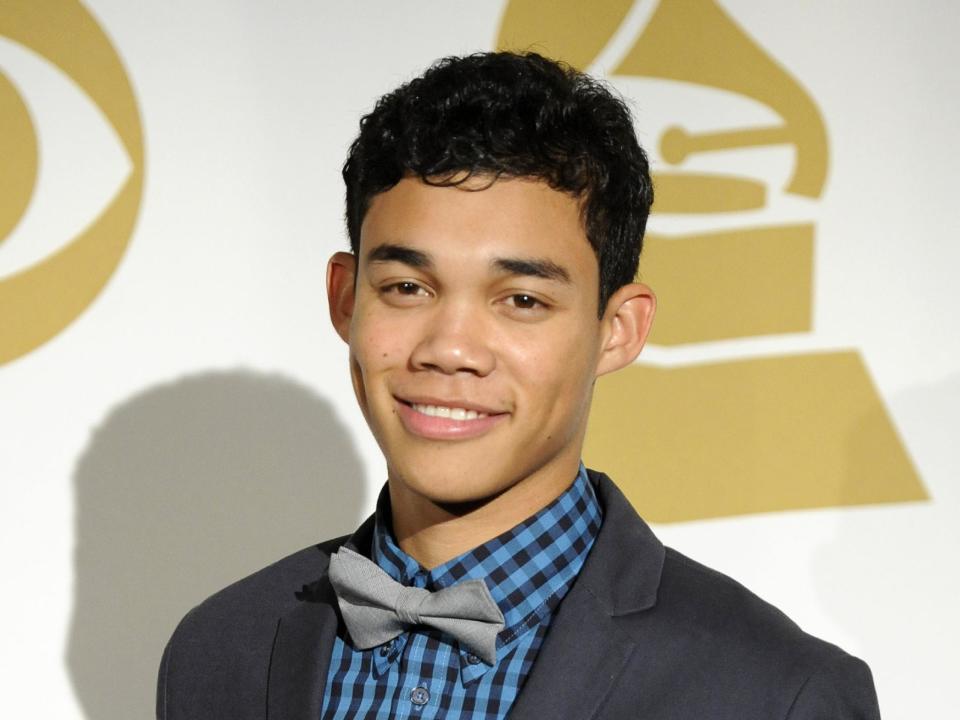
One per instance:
(533,267)
(389,252)
(529,267)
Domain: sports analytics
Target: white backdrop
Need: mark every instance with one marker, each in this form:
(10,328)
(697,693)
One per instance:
(196,420)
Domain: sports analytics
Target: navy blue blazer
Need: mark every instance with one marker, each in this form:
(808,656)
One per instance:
(644,633)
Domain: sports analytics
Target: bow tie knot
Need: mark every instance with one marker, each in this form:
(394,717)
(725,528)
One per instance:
(409,602)
(376,608)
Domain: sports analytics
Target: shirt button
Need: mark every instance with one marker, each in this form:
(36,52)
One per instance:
(419,696)
(473,659)
(386,649)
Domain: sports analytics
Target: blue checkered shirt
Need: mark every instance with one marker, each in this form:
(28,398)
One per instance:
(424,673)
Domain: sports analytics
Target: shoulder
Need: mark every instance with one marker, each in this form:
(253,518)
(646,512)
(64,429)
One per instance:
(265,593)
(701,607)
(756,651)
(730,640)
(221,648)
(718,610)
(722,651)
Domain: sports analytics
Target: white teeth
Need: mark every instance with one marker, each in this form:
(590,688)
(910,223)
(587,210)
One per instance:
(453,413)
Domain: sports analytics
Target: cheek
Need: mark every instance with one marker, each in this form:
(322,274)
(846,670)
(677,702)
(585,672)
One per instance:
(554,375)
(373,341)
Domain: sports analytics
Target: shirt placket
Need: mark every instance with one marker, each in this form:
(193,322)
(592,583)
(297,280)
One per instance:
(422,678)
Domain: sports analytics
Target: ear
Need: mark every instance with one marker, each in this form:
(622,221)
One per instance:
(341,289)
(626,324)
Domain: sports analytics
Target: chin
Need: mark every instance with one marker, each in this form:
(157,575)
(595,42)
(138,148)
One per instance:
(458,492)
(453,486)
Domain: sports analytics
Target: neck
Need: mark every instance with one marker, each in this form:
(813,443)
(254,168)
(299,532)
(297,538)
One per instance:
(433,533)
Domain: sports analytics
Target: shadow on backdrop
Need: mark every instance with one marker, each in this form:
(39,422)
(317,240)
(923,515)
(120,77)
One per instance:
(890,566)
(183,489)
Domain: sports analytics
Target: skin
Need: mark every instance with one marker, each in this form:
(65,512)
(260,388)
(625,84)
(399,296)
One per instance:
(483,297)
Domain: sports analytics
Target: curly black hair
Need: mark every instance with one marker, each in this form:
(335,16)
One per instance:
(503,114)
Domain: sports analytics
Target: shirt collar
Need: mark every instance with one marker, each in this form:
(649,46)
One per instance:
(528,569)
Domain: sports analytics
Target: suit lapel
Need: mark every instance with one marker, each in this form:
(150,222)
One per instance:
(300,659)
(581,660)
(596,629)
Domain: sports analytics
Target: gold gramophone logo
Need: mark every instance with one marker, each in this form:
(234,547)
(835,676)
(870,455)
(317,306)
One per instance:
(731,260)
(38,301)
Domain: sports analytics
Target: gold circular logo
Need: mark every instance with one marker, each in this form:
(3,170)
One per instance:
(38,302)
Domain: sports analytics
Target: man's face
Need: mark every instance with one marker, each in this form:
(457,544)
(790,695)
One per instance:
(474,337)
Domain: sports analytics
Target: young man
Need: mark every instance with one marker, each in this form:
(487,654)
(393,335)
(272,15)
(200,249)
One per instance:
(496,208)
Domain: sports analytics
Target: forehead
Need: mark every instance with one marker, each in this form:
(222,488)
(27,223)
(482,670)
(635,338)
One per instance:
(480,220)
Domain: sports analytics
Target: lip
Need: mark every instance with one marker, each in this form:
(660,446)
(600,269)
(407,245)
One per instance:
(441,428)
(447,402)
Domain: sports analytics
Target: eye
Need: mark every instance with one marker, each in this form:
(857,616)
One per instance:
(524,301)
(403,292)
(525,305)
(409,288)
(405,287)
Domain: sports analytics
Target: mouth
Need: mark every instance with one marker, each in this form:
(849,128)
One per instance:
(443,411)
(434,419)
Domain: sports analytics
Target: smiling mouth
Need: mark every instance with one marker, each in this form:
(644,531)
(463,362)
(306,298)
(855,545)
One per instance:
(453,413)
(427,419)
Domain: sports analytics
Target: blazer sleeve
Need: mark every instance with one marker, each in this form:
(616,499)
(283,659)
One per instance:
(839,690)
(162,684)
(164,672)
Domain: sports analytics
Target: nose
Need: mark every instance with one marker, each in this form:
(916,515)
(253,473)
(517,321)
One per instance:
(455,339)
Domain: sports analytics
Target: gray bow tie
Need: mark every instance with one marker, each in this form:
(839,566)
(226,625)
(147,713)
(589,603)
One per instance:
(377,608)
